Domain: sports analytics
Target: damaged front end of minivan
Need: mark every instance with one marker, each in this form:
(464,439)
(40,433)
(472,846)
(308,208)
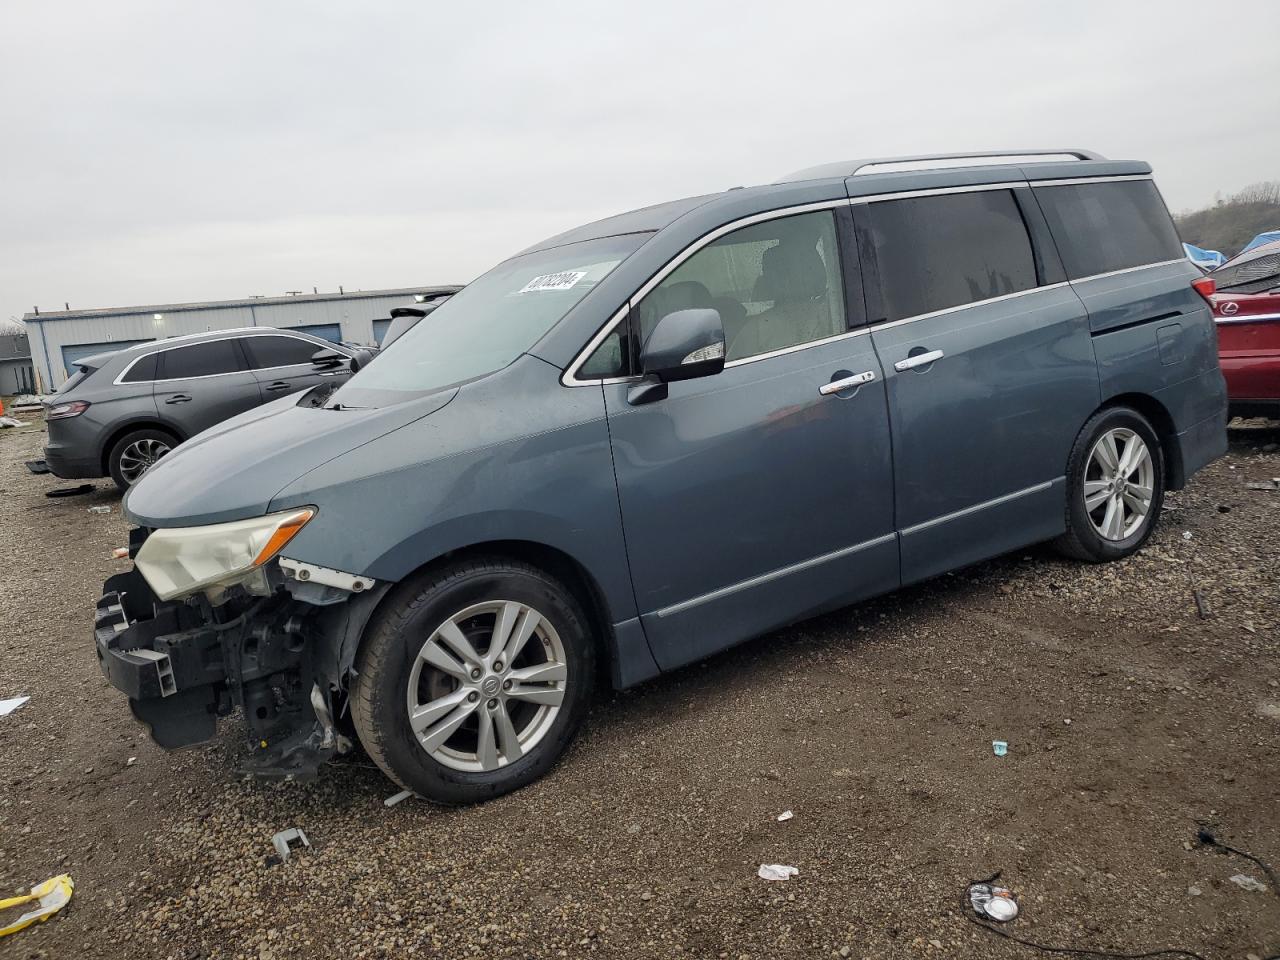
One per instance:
(214,617)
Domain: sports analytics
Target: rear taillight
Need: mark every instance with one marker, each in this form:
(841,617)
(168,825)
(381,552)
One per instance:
(61,411)
(1206,287)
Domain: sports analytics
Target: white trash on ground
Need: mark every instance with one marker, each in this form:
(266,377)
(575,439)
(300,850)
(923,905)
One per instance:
(776,871)
(395,798)
(8,706)
(282,840)
(1246,882)
(785,815)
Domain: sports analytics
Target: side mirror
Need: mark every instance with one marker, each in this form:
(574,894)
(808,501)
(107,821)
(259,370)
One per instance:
(328,359)
(360,358)
(682,346)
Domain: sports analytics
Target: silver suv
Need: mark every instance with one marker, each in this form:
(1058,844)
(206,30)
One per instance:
(120,412)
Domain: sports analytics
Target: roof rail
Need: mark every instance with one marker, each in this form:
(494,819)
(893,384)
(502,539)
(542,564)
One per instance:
(984,158)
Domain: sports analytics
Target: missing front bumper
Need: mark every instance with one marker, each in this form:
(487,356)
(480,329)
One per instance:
(183,666)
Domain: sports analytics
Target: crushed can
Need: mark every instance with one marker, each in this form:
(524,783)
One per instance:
(992,903)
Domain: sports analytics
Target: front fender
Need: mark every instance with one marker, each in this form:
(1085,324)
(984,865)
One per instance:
(514,457)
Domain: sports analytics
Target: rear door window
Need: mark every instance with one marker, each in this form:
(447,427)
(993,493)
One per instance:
(143,370)
(1101,227)
(201,360)
(934,253)
(274,351)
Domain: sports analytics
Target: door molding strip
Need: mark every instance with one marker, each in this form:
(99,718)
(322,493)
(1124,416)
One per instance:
(771,575)
(986,504)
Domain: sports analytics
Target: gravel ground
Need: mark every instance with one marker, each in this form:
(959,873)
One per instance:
(1130,720)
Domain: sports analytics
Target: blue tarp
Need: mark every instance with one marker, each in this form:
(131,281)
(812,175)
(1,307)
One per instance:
(1209,259)
(1262,238)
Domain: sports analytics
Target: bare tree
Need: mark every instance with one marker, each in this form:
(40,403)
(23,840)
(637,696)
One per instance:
(1266,192)
(12,327)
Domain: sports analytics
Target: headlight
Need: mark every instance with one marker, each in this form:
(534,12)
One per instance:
(177,561)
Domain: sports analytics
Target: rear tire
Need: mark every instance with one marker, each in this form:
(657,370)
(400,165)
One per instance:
(1115,487)
(135,453)
(473,680)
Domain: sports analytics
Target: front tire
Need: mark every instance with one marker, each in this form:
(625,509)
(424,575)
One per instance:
(473,680)
(1115,486)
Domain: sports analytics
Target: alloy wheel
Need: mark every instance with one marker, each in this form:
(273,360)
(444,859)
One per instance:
(139,457)
(1118,483)
(487,685)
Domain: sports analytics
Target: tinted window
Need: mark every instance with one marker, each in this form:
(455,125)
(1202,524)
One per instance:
(946,251)
(279,351)
(142,371)
(1100,227)
(201,360)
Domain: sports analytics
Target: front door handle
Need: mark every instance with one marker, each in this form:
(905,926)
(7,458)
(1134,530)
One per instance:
(848,383)
(178,398)
(919,360)
(278,385)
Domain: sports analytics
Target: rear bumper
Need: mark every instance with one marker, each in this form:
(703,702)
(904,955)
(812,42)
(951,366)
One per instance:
(182,671)
(1201,444)
(63,463)
(1253,379)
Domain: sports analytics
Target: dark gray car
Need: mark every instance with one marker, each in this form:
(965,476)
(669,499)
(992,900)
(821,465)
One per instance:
(118,413)
(652,437)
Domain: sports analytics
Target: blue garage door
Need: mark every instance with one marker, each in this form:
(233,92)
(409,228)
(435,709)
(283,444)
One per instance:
(380,330)
(327,331)
(72,353)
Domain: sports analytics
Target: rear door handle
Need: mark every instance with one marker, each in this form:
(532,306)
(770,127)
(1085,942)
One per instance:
(278,385)
(178,398)
(919,360)
(857,380)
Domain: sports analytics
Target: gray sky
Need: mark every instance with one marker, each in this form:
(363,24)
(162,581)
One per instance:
(178,151)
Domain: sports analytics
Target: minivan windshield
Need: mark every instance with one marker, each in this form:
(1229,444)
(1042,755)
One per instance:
(490,322)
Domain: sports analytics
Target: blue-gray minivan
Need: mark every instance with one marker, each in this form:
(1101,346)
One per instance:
(652,437)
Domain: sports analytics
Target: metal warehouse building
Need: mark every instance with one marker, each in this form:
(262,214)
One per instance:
(61,338)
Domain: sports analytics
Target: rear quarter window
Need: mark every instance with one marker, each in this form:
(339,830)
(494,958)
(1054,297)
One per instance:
(141,371)
(1102,227)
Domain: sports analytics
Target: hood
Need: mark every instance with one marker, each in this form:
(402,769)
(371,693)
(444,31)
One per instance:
(233,470)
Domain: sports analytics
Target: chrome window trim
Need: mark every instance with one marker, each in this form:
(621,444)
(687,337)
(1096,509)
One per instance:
(120,381)
(772,575)
(1141,266)
(847,335)
(937,192)
(889,324)
(569,377)
(975,508)
(1073,181)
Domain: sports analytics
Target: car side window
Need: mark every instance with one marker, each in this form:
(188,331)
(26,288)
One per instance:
(776,284)
(276,351)
(608,359)
(142,370)
(934,253)
(201,360)
(1100,227)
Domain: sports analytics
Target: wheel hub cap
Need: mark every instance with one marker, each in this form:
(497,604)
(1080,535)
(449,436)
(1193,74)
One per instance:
(487,686)
(1118,484)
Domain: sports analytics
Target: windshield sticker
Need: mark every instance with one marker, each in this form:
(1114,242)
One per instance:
(553,281)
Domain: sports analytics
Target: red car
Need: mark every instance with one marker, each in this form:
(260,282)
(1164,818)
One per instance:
(1246,306)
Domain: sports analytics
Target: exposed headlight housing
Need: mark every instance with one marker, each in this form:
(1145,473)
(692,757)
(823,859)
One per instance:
(177,561)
